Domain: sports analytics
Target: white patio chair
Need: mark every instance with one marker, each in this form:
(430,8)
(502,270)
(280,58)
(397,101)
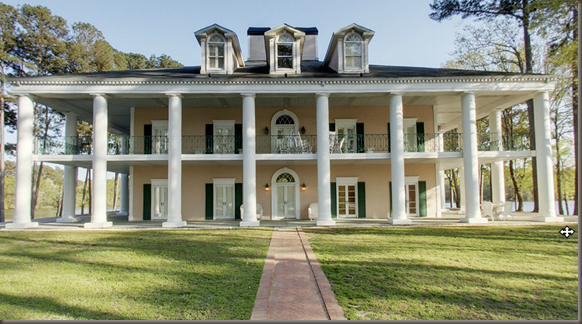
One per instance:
(313,211)
(259,211)
(508,210)
(488,209)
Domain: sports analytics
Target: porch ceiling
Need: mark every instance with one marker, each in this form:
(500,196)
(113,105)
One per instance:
(447,104)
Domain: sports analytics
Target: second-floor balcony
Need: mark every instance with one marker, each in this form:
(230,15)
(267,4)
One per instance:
(283,144)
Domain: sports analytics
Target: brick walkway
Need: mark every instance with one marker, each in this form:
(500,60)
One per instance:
(293,286)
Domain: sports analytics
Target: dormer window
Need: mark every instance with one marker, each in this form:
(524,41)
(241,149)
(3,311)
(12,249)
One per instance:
(353,52)
(285,51)
(216,52)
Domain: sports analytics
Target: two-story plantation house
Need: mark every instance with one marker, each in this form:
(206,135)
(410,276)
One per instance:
(282,130)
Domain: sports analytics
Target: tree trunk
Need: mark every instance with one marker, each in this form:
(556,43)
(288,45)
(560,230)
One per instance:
(115,189)
(575,113)
(516,189)
(84,191)
(2,142)
(36,187)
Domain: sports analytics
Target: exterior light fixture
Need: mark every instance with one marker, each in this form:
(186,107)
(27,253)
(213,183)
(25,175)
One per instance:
(267,189)
(303,187)
(303,130)
(266,130)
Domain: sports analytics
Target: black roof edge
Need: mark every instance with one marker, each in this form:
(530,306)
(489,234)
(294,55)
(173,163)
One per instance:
(262,30)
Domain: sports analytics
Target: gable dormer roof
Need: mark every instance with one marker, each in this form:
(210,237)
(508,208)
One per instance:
(270,39)
(230,36)
(337,38)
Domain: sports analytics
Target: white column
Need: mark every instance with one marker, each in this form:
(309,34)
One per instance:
(323,166)
(397,161)
(70,173)
(497,168)
(470,161)
(23,194)
(99,194)
(174,162)
(124,194)
(462,191)
(546,198)
(249,217)
(130,209)
(441,195)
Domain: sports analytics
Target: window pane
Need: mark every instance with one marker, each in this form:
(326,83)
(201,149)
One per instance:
(285,62)
(290,201)
(353,49)
(229,201)
(285,50)
(280,201)
(219,200)
(285,38)
(353,62)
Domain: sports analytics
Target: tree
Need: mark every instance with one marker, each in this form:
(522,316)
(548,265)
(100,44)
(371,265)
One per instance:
(522,11)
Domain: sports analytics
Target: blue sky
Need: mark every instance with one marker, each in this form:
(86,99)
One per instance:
(405,35)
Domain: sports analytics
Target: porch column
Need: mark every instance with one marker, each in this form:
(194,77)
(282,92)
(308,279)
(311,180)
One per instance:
(99,195)
(323,167)
(124,195)
(249,217)
(546,198)
(441,194)
(23,194)
(174,162)
(461,192)
(70,173)
(497,168)
(397,161)
(470,161)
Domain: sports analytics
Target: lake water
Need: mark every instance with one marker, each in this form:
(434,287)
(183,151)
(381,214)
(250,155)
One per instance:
(528,206)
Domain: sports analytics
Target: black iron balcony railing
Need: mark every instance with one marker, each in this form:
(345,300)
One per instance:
(283,144)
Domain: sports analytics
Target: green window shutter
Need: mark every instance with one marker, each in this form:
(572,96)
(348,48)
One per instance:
(420,137)
(209,138)
(238,199)
(333,200)
(361,200)
(332,127)
(147,139)
(388,137)
(390,184)
(360,137)
(422,198)
(147,201)
(209,201)
(238,135)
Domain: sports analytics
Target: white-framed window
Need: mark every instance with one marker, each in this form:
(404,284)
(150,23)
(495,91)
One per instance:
(159,198)
(215,52)
(410,138)
(223,136)
(347,196)
(223,198)
(353,52)
(346,138)
(285,53)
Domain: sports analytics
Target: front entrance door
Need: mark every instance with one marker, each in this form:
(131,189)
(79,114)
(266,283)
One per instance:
(411,199)
(223,198)
(285,196)
(346,195)
(223,136)
(159,199)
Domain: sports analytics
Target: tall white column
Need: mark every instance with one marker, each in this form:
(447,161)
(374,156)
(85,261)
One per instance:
(124,194)
(323,166)
(70,172)
(441,195)
(23,195)
(546,198)
(99,195)
(470,161)
(130,209)
(174,162)
(497,168)
(249,217)
(397,161)
(462,191)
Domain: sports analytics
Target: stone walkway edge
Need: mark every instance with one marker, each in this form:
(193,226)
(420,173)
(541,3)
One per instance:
(329,302)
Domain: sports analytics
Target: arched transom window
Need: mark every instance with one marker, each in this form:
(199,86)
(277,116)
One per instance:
(285,120)
(353,51)
(285,178)
(285,51)
(216,52)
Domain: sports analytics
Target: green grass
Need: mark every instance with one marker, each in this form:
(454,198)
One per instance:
(446,273)
(131,275)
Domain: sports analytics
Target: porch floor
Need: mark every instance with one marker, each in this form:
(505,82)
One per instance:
(449,218)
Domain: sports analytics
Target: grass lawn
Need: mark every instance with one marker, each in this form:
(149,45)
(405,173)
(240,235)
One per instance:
(451,273)
(131,275)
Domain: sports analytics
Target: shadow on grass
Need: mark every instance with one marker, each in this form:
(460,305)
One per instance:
(202,275)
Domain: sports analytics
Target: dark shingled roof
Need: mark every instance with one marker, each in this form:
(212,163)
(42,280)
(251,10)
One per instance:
(262,30)
(259,69)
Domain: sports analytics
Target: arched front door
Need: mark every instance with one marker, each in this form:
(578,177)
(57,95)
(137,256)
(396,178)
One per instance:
(285,194)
